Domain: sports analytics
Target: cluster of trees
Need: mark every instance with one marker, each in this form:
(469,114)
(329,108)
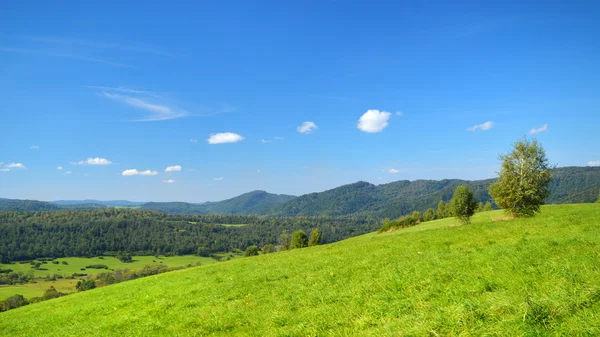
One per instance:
(288,241)
(86,233)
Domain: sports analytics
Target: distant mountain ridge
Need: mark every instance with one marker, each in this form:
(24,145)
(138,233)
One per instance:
(569,185)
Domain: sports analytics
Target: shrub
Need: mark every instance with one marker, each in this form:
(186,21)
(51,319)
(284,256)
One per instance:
(429,215)
(299,240)
(267,249)
(83,285)
(65,262)
(463,204)
(251,251)
(55,262)
(13,302)
(51,293)
(402,222)
(97,266)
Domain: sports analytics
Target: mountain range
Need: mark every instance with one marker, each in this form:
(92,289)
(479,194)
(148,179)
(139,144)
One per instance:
(569,185)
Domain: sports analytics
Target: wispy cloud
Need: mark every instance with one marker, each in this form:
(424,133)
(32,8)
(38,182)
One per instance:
(158,112)
(129,47)
(392,171)
(68,172)
(65,55)
(483,126)
(124,90)
(93,161)
(373,121)
(399,113)
(218,179)
(34,147)
(168,181)
(192,140)
(14,166)
(173,168)
(59,168)
(540,129)
(225,137)
(271,140)
(3,169)
(594,163)
(307,127)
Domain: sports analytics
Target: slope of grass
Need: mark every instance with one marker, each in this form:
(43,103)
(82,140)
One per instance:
(532,276)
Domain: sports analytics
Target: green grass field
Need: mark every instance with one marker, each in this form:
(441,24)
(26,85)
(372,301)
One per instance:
(76,263)
(536,276)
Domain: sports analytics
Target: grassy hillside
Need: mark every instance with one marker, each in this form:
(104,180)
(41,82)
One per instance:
(517,277)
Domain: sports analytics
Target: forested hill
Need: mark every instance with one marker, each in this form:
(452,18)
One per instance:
(255,202)
(569,185)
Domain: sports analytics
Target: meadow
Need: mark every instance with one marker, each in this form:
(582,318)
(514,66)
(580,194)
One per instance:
(76,264)
(496,276)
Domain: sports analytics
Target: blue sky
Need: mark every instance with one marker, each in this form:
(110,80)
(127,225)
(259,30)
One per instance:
(114,94)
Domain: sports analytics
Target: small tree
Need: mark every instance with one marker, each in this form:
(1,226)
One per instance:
(251,251)
(417,216)
(284,240)
(315,238)
(523,183)
(429,214)
(463,204)
(268,248)
(487,207)
(441,210)
(124,257)
(299,240)
(479,207)
(83,285)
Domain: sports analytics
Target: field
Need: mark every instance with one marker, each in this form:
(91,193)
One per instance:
(75,264)
(535,276)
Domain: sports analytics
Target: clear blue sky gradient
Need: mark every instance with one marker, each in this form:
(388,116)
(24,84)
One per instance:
(261,69)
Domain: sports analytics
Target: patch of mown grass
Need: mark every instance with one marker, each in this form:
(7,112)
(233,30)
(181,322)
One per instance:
(534,276)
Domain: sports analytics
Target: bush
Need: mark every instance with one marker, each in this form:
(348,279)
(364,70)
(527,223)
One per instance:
(13,302)
(51,293)
(83,285)
(402,222)
(315,238)
(251,251)
(65,262)
(463,204)
(299,240)
(97,266)
(267,249)
(55,262)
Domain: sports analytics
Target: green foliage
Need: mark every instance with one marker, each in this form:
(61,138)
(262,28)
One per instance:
(251,251)
(480,207)
(487,207)
(463,204)
(315,238)
(51,293)
(13,302)
(299,240)
(123,257)
(429,215)
(402,222)
(285,239)
(523,183)
(83,285)
(268,249)
(417,216)
(441,210)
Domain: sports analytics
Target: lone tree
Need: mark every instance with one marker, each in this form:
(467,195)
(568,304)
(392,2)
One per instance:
(251,251)
(315,238)
(463,204)
(299,240)
(441,210)
(523,183)
(268,249)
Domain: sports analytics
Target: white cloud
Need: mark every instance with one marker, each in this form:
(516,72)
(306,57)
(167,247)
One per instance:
(158,112)
(59,168)
(192,140)
(373,121)
(34,147)
(130,172)
(594,163)
(14,165)
(392,171)
(148,173)
(4,169)
(218,179)
(174,168)
(483,127)
(307,127)
(271,140)
(93,161)
(399,113)
(68,172)
(169,181)
(540,129)
(265,141)
(225,137)
(278,138)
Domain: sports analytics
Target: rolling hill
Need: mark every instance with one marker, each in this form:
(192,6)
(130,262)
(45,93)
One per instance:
(107,203)
(532,276)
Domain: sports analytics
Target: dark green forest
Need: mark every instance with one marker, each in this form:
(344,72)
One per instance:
(30,235)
